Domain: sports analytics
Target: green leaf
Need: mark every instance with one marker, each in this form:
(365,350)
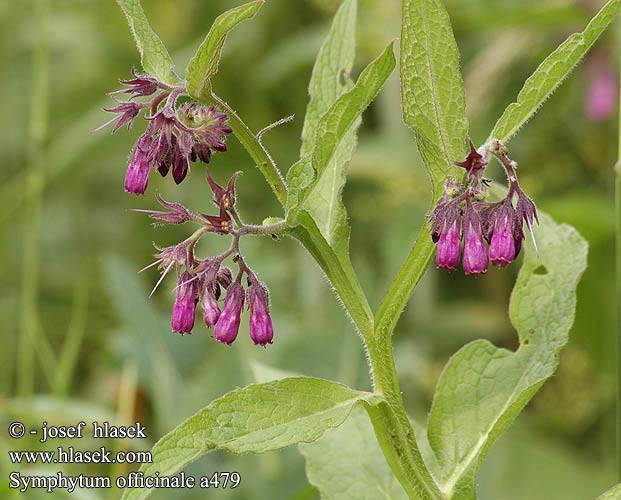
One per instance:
(154,57)
(257,418)
(612,494)
(330,76)
(333,128)
(433,101)
(329,80)
(205,62)
(359,474)
(483,388)
(551,73)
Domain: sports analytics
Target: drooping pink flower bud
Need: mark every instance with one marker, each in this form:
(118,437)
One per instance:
(502,248)
(227,326)
(475,259)
(261,329)
(184,310)
(449,246)
(207,294)
(139,168)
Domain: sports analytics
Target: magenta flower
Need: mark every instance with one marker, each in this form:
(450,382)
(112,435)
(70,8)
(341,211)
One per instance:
(502,248)
(449,246)
(261,329)
(184,310)
(227,326)
(137,175)
(475,259)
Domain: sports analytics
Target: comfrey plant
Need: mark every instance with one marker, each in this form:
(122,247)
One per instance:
(483,388)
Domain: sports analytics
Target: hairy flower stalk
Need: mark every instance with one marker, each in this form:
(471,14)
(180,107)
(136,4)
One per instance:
(463,213)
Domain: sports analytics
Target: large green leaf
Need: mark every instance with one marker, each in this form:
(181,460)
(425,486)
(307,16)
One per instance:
(333,128)
(483,388)
(359,474)
(432,93)
(154,57)
(257,418)
(204,64)
(551,73)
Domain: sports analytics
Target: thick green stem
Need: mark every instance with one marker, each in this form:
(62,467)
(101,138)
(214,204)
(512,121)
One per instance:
(392,426)
(390,421)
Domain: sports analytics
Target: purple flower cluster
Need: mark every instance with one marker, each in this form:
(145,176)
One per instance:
(462,215)
(205,288)
(201,281)
(175,136)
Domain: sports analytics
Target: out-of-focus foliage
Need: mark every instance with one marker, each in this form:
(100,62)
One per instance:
(129,365)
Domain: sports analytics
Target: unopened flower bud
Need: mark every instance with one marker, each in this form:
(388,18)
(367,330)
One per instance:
(227,326)
(185,305)
(261,329)
(137,175)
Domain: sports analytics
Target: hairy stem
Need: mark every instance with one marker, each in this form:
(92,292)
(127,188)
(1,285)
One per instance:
(390,421)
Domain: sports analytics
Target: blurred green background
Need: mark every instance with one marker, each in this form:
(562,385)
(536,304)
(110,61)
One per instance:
(80,338)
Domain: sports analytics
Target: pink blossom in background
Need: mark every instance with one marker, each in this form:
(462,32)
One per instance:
(601,98)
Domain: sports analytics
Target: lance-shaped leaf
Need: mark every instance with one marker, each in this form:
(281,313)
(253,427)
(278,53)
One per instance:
(360,474)
(257,418)
(483,388)
(432,93)
(330,77)
(205,62)
(154,57)
(334,127)
(551,73)
(329,80)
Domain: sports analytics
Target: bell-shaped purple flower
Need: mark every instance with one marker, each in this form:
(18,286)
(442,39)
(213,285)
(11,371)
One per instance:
(449,245)
(207,293)
(139,168)
(261,329)
(502,248)
(227,326)
(475,259)
(184,310)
